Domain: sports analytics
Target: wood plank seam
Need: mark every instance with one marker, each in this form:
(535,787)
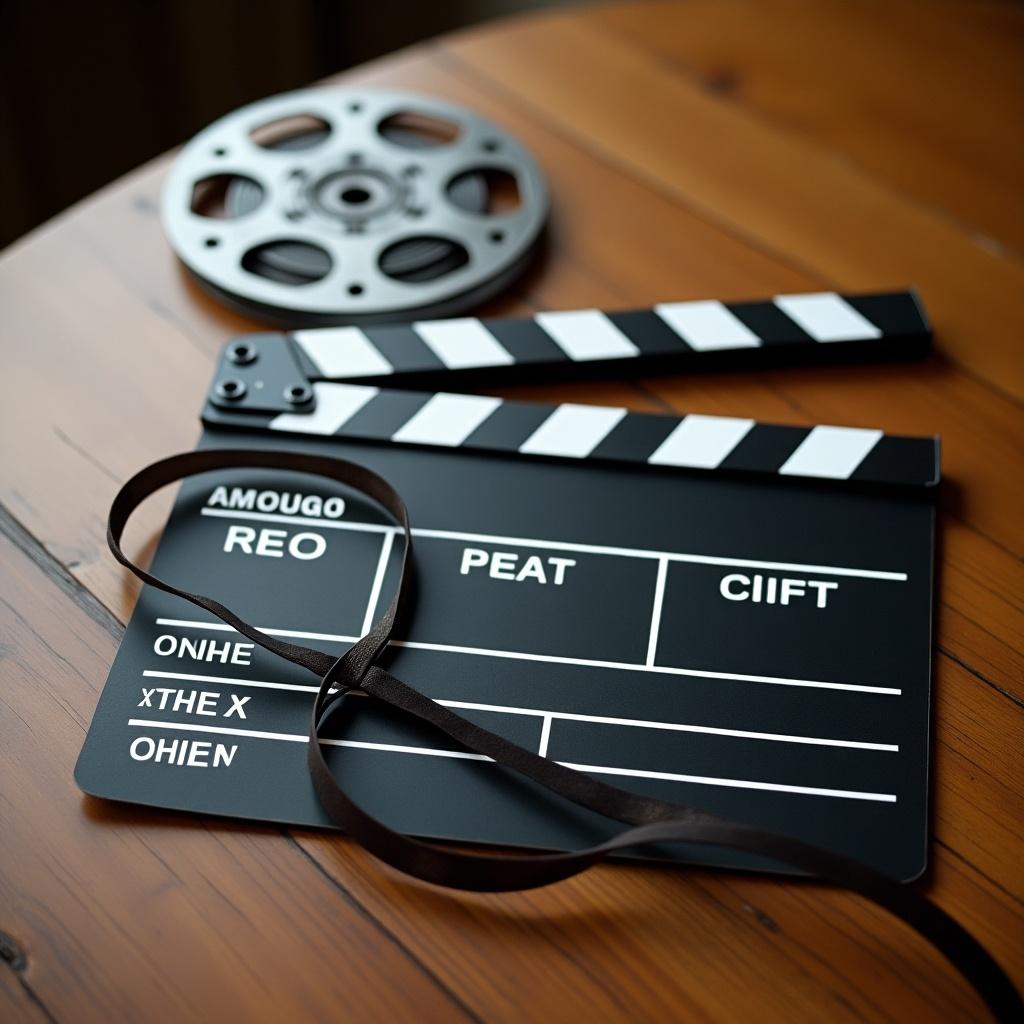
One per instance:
(827,965)
(953,851)
(57,575)
(297,839)
(998,248)
(158,308)
(34,549)
(747,72)
(946,653)
(475,79)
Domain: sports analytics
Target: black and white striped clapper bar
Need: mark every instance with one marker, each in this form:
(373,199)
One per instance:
(329,381)
(672,336)
(717,611)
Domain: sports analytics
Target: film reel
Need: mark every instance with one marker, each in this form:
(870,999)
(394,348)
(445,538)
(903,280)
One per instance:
(333,206)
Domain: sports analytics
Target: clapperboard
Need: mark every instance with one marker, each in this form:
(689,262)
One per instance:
(715,611)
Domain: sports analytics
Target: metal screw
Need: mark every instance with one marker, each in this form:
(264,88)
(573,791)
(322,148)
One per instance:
(297,394)
(242,353)
(231,390)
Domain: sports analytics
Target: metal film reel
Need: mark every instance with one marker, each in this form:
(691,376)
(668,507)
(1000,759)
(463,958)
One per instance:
(332,206)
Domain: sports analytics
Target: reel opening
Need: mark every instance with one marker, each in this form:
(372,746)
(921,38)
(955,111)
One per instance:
(225,196)
(487,190)
(413,130)
(422,258)
(295,133)
(288,261)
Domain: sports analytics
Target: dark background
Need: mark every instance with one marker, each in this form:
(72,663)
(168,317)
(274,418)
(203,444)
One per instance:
(89,91)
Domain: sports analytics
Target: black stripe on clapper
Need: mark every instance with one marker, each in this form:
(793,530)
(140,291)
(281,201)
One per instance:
(404,349)
(635,437)
(649,332)
(384,414)
(509,426)
(765,448)
(769,323)
(896,315)
(525,340)
(901,460)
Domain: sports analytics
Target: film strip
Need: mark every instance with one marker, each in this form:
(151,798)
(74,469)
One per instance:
(305,383)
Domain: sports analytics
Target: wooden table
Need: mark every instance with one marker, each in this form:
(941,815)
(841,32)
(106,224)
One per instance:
(732,149)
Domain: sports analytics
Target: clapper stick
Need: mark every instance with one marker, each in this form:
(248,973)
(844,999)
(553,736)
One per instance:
(317,383)
(669,337)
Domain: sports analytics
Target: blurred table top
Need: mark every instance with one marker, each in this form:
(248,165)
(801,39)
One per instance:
(728,149)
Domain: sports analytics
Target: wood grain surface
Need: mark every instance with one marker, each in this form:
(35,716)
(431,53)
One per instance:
(728,149)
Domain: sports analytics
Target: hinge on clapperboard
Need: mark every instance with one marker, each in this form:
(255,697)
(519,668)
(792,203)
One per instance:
(329,381)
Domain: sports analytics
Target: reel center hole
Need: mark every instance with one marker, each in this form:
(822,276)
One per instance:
(354,195)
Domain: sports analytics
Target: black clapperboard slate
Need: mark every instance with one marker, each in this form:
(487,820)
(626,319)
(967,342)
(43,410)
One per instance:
(710,610)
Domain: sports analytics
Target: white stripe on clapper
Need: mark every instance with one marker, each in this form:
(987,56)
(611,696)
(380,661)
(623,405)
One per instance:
(446,419)
(831,452)
(462,344)
(573,431)
(706,326)
(826,316)
(584,334)
(701,442)
(343,352)
(336,404)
